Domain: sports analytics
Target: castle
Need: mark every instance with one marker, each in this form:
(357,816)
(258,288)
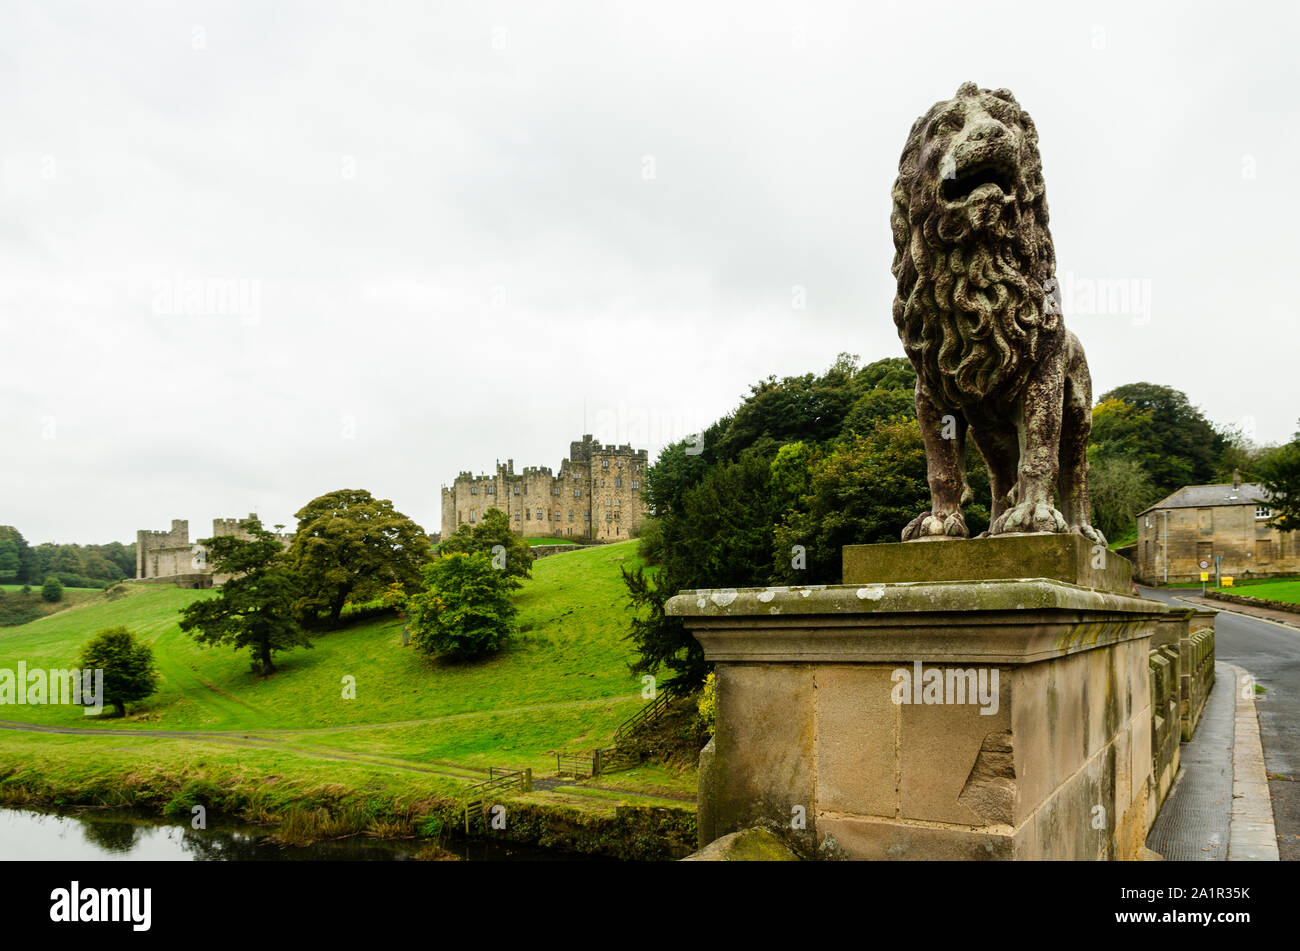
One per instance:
(595,497)
(170,558)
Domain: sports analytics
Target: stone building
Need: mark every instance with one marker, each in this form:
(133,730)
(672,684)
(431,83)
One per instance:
(171,558)
(595,496)
(1199,522)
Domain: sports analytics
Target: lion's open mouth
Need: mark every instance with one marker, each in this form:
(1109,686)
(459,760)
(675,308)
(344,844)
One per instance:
(967,180)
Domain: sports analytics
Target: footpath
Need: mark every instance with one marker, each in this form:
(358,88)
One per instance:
(1219,807)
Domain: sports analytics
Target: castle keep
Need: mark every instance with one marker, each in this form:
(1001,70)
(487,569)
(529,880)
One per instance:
(170,557)
(596,496)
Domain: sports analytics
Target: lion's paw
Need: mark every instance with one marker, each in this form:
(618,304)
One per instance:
(1092,534)
(936,525)
(1029,517)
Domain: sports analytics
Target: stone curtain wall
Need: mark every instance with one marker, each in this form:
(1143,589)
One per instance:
(596,495)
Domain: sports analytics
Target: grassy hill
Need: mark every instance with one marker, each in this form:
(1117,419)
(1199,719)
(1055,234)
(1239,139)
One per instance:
(564,682)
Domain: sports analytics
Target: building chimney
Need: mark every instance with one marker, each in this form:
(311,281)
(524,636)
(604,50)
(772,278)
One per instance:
(1236,478)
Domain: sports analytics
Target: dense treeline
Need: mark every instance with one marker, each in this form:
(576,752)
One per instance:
(76,566)
(771,492)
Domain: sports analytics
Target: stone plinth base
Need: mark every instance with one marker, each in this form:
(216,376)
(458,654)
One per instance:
(1027,735)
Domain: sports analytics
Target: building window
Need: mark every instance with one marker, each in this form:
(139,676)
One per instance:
(492,490)
(636,484)
(609,516)
(587,517)
(618,482)
(577,493)
(473,490)
(620,463)
(516,490)
(471,515)
(1263,511)
(607,501)
(570,515)
(616,503)
(516,516)
(604,463)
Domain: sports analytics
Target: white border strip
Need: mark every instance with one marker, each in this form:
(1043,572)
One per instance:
(1251,834)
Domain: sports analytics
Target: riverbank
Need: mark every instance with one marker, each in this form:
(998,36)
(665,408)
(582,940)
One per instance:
(300,801)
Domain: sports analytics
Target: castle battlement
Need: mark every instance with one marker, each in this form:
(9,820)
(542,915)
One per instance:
(596,494)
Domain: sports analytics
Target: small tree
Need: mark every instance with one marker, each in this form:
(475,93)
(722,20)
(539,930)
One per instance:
(492,536)
(465,610)
(129,675)
(52,590)
(255,607)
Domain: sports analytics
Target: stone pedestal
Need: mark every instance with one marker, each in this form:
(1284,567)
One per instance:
(1001,716)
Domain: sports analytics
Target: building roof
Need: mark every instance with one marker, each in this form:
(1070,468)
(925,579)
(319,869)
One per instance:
(1210,496)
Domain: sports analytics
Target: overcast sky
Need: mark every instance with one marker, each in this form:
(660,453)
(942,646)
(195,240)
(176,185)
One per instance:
(463,232)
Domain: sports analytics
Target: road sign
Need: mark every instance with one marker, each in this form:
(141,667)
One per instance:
(1205,576)
(1204,565)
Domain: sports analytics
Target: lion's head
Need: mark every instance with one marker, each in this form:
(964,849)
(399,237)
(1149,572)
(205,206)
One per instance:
(972,249)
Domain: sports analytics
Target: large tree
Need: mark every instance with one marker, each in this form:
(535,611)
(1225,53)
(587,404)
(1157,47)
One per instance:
(351,546)
(129,674)
(491,536)
(255,608)
(1170,437)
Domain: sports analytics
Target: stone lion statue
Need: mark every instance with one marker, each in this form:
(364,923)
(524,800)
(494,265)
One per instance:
(979,315)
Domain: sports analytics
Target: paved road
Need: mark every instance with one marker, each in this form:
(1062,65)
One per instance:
(1271,653)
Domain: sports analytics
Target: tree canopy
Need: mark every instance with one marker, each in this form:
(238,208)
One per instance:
(350,546)
(254,609)
(491,536)
(129,674)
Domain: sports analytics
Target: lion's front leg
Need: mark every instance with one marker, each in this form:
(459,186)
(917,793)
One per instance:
(1039,428)
(945,440)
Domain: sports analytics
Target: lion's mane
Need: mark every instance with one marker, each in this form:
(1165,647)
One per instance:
(970,306)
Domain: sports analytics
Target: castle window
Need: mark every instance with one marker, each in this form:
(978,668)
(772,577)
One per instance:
(607,501)
(570,515)
(636,484)
(618,482)
(492,490)
(620,463)
(577,493)
(473,490)
(616,503)
(587,517)
(471,514)
(602,483)
(609,516)
(604,463)
(616,516)
(516,490)
(1263,511)
(516,516)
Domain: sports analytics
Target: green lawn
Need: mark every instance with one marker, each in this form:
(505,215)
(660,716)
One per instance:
(564,683)
(1283,590)
(556,541)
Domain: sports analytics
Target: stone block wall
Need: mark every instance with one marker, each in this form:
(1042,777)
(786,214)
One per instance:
(1166,722)
(1249,546)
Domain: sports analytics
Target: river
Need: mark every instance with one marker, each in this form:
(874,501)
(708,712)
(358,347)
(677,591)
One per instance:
(32,835)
